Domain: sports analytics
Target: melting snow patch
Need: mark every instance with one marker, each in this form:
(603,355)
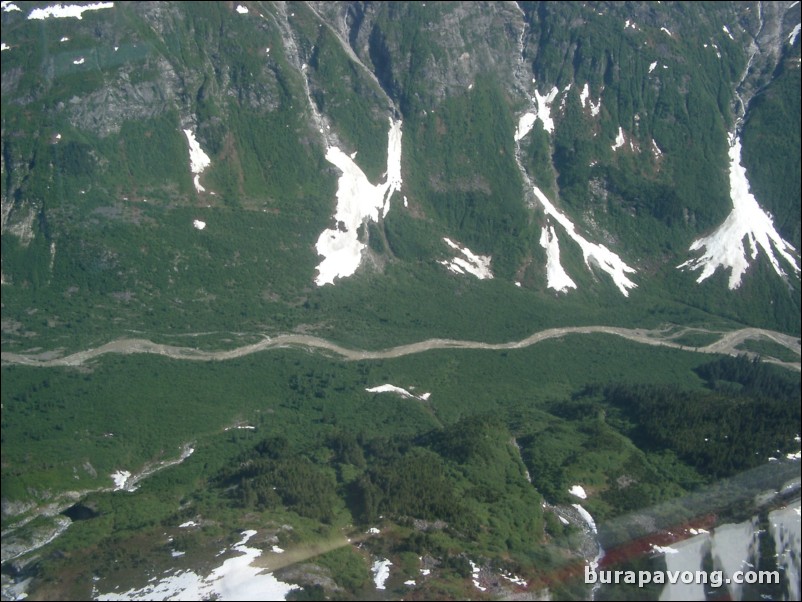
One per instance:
(198,160)
(357,200)
(578,491)
(4,46)
(698,531)
(656,149)
(189,523)
(277,550)
(470,263)
(652,66)
(586,101)
(235,579)
(64,39)
(727,31)
(544,108)
(525,124)
(556,277)
(794,34)
(664,549)
(619,139)
(475,574)
(794,456)
(79,61)
(563,520)
(62,11)
(373,531)
(724,248)
(410,583)
(9,7)
(381,572)
(177,554)
(398,391)
(425,572)
(199,225)
(241,9)
(600,255)
(666,31)
(628,24)
(514,579)
(120,478)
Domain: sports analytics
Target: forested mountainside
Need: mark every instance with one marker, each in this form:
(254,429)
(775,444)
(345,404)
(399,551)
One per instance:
(423,268)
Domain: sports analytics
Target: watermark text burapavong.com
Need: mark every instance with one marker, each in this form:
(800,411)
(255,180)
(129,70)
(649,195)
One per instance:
(713,578)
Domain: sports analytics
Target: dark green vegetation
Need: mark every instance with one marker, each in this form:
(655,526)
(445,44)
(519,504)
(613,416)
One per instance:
(443,478)
(98,243)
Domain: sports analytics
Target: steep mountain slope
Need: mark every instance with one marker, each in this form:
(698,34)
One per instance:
(627,140)
(425,185)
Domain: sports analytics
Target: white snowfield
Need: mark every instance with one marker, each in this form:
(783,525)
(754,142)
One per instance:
(587,103)
(469,263)
(9,7)
(381,572)
(525,125)
(63,11)
(578,491)
(235,579)
(387,388)
(724,248)
(357,200)
(556,277)
(544,108)
(793,35)
(120,478)
(619,139)
(198,160)
(599,255)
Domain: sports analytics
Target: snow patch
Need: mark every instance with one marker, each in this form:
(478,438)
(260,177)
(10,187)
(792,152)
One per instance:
(563,520)
(199,225)
(666,31)
(198,160)
(794,34)
(727,31)
(10,7)
(475,570)
(235,579)
(656,149)
(628,24)
(79,61)
(4,46)
(357,200)
(600,255)
(241,9)
(525,125)
(189,523)
(619,139)
(556,277)
(277,550)
(120,478)
(470,263)
(587,102)
(664,549)
(724,248)
(64,39)
(177,554)
(63,11)
(381,572)
(544,108)
(652,66)
(586,517)
(398,391)
(578,491)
